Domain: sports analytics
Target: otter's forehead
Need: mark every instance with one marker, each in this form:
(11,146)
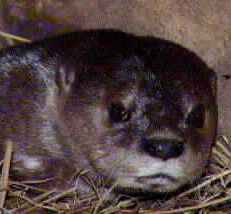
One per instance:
(169,82)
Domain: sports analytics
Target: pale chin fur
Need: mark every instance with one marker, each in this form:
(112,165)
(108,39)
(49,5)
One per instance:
(155,186)
(145,178)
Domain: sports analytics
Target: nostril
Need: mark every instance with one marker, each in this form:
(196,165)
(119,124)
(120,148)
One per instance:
(163,148)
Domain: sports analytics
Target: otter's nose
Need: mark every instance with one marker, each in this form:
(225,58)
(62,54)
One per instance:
(163,148)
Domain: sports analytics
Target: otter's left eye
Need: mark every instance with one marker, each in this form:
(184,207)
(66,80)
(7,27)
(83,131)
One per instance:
(118,113)
(196,117)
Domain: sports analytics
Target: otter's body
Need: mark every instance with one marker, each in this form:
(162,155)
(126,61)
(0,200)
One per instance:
(138,111)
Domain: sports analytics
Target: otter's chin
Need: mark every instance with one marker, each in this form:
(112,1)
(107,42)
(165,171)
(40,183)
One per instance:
(159,183)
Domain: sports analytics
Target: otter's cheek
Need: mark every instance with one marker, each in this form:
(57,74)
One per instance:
(209,131)
(109,163)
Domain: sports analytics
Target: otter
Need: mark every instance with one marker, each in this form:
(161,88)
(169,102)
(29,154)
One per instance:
(135,110)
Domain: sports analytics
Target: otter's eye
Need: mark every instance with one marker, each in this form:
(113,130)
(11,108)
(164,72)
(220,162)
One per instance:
(196,117)
(118,113)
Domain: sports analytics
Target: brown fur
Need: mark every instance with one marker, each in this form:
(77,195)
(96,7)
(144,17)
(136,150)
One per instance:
(139,111)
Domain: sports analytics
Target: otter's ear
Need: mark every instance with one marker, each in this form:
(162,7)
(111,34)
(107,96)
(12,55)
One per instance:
(65,78)
(213,82)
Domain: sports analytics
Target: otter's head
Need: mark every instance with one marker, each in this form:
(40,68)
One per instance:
(144,117)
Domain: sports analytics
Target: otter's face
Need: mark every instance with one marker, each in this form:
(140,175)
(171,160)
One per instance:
(145,129)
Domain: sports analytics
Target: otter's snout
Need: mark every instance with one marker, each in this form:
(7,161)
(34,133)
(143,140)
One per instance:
(163,148)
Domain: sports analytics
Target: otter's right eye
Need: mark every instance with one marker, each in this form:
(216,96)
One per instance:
(118,113)
(196,117)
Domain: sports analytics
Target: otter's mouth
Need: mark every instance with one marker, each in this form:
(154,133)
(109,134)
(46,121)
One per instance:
(157,179)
